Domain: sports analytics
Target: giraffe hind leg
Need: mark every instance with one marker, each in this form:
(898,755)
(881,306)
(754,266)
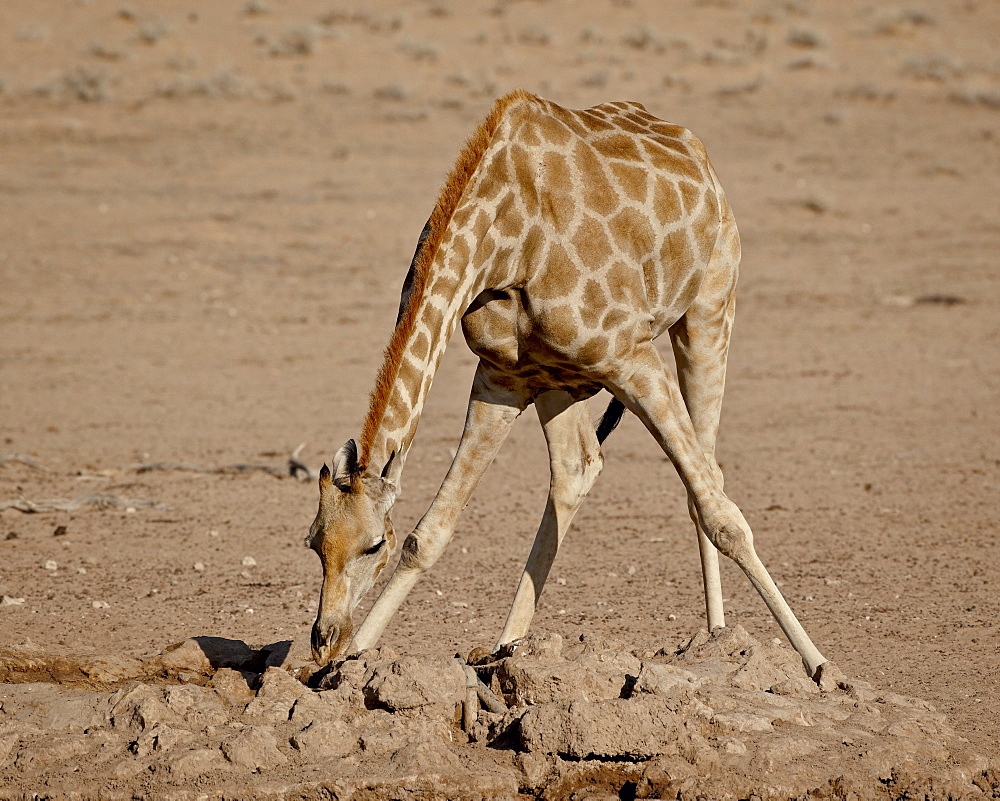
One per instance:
(652,394)
(700,341)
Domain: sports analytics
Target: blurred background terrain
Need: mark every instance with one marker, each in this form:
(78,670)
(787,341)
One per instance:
(206,212)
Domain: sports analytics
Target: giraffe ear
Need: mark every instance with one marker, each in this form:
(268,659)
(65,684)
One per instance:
(345,465)
(325,479)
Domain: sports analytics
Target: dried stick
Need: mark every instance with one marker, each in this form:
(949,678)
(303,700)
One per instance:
(100,500)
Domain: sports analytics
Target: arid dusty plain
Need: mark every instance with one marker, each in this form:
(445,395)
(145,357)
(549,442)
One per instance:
(206,213)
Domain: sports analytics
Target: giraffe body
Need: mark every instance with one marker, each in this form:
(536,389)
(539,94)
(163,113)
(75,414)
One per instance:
(601,227)
(564,242)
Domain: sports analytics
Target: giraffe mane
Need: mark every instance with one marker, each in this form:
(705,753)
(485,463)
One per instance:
(448,199)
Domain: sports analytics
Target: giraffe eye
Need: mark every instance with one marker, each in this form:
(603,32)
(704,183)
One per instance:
(374,549)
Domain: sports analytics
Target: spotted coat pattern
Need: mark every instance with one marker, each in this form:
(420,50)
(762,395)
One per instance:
(582,235)
(575,238)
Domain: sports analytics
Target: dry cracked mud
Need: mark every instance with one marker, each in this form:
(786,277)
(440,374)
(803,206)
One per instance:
(725,717)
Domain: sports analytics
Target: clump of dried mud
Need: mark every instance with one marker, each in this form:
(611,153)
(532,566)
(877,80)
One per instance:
(724,717)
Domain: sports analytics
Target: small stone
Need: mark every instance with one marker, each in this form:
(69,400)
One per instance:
(231,685)
(6,600)
(664,680)
(420,757)
(315,706)
(637,729)
(51,564)
(535,768)
(187,655)
(254,748)
(100,604)
(795,687)
(197,706)
(199,566)
(741,721)
(60,531)
(732,746)
(160,738)
(249,561)
(197,762)
(323,739)
(203,654)
(278,683)
(276,695)
(408,683)
(139,709)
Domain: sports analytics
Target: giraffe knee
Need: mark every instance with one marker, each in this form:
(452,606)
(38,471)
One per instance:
(420,551)
(573,478)
(410,554)
(733,541)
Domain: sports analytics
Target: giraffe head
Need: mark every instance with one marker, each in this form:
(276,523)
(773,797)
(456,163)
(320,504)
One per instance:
(353,536)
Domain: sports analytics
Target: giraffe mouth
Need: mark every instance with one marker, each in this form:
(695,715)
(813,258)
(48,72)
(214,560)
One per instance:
(329,640)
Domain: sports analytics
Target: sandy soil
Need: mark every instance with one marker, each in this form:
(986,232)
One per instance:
(207,210)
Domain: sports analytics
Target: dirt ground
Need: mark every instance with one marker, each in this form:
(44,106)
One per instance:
(206,212)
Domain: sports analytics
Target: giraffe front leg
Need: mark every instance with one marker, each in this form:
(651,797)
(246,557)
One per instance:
(492,411)
(575,461)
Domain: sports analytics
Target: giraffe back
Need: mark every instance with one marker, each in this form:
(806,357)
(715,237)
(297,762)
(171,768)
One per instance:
(609,220)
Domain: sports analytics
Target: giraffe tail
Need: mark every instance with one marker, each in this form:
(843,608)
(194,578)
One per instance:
(610,419)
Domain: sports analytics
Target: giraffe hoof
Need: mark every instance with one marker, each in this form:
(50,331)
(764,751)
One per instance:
(829,677)
(479,655)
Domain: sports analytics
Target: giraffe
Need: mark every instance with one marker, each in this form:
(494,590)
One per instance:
(564,241)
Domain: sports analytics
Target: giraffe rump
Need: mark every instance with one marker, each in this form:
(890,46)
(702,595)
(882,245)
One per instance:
(465,165)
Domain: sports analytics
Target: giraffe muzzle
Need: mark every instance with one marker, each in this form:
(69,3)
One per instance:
(329,639)
(322,639)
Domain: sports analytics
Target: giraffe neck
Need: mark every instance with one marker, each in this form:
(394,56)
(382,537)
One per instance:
(432,307)
(454,262)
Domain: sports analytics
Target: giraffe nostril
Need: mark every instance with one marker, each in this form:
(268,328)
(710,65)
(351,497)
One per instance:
(321,638)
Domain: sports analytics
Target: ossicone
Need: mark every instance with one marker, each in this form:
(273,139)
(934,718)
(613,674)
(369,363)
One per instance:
(392,469)
(325,479)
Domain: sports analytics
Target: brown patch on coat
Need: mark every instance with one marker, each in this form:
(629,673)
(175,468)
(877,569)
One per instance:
(560,325)
(632,233)
(598,194)
(531,249)
(509,221)
(554,131)
(560,275)
(666,201)
(618,146)
(591,243)
(633,179)
(595,350)
(690,195)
